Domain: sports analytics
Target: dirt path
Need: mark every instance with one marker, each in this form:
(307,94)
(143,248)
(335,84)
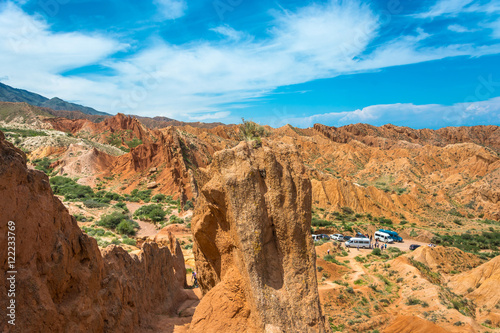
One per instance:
(356,269)
(179,323)
(146,229)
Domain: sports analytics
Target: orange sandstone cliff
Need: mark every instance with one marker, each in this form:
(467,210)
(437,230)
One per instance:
(63,282)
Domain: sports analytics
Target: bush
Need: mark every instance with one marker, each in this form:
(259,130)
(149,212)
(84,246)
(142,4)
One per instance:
(43,165)
(251,131)
(112,220)
(158,198)
(176,220)
(383,220)
(126,227)
(68,188)
(153,212)
(129,241)
(94,204)
(121,205)
(412,301)
(316,222)
(376,251)
(189,205)
(347,210)
(141,195)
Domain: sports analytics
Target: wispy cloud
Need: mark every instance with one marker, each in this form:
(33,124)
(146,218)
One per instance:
(459,28)
(445,7)
(495,27)
(229,32)
(171,9)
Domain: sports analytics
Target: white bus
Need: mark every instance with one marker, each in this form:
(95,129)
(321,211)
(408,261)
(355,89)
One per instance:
(361,242)
(383,237)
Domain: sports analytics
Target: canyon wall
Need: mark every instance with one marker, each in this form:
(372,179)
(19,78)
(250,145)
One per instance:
(63,282)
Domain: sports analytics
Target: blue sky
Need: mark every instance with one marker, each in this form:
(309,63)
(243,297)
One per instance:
(429,63)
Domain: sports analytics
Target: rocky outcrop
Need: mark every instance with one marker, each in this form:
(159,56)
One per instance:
(253,248)
(480,284)
(390,136)
(63,282)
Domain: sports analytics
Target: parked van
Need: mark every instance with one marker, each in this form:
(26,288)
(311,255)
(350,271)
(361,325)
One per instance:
(361,242)
(316,238)
(383,237)
(394,235)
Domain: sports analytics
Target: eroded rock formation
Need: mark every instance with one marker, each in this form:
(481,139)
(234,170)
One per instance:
(253,249)
(64,283)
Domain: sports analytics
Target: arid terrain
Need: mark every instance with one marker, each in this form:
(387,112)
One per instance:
(114,213)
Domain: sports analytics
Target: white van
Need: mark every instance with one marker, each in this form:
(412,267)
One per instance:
(315,238)
(383,237)
(361,242)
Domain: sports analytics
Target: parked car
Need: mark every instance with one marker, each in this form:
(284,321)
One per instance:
(346,238)
(320,237)
(338,237)
(414,247)
(360,235)
(358,242)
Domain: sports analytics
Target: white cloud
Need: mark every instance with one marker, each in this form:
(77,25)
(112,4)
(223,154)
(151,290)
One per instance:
(446,7)
(223,115)
(229,32)
(171,9)
(32,57)
(495,27)
(455,7)
(459,28)
(415,116)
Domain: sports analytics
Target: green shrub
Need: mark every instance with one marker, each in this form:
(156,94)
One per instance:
(112,220)
(376,251)
(143,195)
(158,198)
(384,220)
(412,301)
(68,188)
(347,210)
(175,220)
(133,143)
(252,131)
(152,212)
(316,222)
(129,241)
(189,205)
(91,203)
(43,165)
(126,227)
(360,259)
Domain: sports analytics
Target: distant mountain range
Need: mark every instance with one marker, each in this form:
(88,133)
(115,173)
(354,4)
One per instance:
(10,94)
